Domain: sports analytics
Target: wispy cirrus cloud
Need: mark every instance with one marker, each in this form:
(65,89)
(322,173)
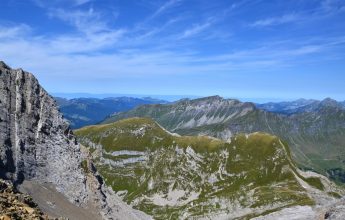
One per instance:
(167,5)
(119,70)
(198,28)
(93,31)
(333,5)
(272,21)
(195,29)
(57,52)
(14,31)
(87,21)
(81,2)
(325,8)
(145,24)
(51,3)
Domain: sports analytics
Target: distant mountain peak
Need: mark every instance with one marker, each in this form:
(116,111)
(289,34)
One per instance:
(215,97)
(330,102)
(209,98)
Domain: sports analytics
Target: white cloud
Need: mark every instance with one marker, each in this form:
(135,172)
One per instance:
(10,31)
(59,60)
(169,4)
(58,69)
(89,43)
(55,3)
(93,32)
(288,18)
(197,28)
(87,21)
(81,2)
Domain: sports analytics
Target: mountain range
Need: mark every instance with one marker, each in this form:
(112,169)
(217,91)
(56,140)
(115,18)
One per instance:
(316,135)
(170,98)
(88,111)
(298,106)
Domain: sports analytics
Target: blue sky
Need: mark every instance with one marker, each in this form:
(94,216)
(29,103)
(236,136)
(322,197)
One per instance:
(245,49)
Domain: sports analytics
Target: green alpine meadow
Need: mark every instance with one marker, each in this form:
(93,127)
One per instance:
(316,135)
(170,176)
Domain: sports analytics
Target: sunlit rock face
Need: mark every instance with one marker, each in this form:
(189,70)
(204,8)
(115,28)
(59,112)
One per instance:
(37,144)
(35,139)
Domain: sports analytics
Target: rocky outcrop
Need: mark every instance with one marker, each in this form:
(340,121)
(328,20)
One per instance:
(14,205)
(36,141)
(336,211)
(37,144)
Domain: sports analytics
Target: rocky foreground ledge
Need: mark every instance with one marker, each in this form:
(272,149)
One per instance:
(14,205)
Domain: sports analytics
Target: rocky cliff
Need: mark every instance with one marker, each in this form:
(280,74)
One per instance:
(38,145)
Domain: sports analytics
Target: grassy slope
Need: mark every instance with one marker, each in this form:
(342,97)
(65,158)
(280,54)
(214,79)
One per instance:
(257,163)
(317,140)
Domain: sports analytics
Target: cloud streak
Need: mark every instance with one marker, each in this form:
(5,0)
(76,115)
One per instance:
(272,21)
(87,21)
(93,32)
(54,3)
(14,31)
(169,4)
(196,29)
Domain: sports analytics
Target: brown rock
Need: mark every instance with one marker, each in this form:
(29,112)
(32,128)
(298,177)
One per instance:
(29,209)
(5,217)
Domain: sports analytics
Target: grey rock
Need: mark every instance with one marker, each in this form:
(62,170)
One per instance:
(38,144)
(336,211)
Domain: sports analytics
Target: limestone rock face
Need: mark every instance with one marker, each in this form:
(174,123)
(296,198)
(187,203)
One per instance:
(36,143)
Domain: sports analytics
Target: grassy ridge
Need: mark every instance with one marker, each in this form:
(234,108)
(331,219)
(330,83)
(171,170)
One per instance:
(253,171)
(316,138)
